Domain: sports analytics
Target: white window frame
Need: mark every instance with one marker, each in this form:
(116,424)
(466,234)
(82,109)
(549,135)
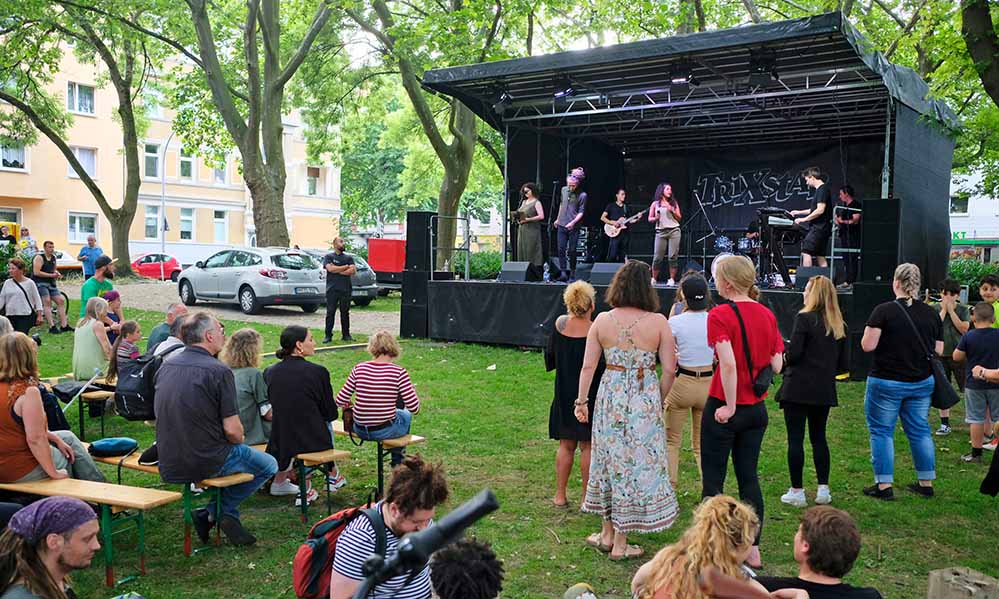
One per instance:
(224,221)
(73,98)
(26,150)
(181,159)
(146,155)
(194,224)
(153,99)
(15,210)
(76,237)
(308,180)
(950,204)
(69,167)
(159,223)
(225,174)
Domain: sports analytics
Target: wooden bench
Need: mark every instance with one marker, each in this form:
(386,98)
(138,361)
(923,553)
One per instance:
(403,441)
(112,499)
(307,463)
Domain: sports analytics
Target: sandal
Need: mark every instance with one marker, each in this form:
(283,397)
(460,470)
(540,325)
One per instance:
(630,552)
(560,506)
(594,541)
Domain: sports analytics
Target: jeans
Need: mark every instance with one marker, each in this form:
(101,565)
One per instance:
(741,436)
(337,299)
(82,468)
(567,242)
(242,458)
(399,427)
(795,418)
(616,248)
(884,403)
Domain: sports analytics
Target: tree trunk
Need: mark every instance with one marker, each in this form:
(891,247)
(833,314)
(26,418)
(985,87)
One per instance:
(120,225)
(456,170)
(268,210)
(980,37)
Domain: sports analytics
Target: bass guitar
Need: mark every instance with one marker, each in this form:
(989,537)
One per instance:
(612,231)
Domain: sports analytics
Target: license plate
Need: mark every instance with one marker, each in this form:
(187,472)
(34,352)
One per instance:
(305,290)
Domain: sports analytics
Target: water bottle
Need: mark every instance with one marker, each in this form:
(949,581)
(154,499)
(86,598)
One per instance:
(548,276)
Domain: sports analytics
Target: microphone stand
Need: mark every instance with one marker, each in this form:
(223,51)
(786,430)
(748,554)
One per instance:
(711,230)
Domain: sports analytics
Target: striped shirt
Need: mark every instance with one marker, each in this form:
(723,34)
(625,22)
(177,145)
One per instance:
(127,351)
(357,543)
(377,386)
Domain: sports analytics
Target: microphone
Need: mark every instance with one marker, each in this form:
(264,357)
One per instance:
(416,548)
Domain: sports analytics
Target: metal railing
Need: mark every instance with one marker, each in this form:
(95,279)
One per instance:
(466,247)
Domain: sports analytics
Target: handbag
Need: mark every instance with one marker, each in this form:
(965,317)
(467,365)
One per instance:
(347,416)
(944,396)
(763,378)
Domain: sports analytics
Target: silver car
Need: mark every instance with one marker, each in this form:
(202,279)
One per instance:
(253,278)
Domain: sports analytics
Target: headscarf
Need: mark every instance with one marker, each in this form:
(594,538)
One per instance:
(53,515)
(577,174)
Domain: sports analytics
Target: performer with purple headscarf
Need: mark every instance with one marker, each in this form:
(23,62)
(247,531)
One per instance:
(570,212)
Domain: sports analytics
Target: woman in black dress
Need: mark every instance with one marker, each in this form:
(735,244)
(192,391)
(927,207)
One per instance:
(564,355)
(301,399)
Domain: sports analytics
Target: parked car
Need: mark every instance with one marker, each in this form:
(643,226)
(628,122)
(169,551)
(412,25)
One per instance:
(363,285)
(254,278)
(148,265)
(66,262)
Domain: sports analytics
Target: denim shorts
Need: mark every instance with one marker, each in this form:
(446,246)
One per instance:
(975,402)
(47,290)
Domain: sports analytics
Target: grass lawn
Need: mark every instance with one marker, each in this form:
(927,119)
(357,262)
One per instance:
(490,429)
(389,303)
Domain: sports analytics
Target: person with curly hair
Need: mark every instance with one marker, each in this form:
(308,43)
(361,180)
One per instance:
(466,569)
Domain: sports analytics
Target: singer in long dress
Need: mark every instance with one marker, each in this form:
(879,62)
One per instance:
(529,235)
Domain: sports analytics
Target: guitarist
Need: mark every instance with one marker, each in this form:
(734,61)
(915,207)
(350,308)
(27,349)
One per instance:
(615,215)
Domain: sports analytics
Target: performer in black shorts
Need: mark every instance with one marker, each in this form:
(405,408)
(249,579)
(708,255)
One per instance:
(614,212)
(817,219)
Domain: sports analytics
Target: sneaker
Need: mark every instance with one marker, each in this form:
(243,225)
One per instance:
(196,489)
(943,430)
(991,445)
(794,497)
(327,340)
(67,329)
(336,483)
(919,489)
(311,496)
(823,496)
(671,283)
(972,458)
(882,494)
(54,330)
(284,488)
(202,524)
(235,532)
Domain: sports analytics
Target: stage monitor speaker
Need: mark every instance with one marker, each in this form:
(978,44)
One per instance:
(419,233)
(692,265)
(414,287)
(584,270)
(879,244)
(514,271)
(603,272)
(413,322)
(804,273)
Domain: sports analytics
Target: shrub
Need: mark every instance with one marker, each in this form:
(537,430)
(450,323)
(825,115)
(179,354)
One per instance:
(481,265)
(968,271)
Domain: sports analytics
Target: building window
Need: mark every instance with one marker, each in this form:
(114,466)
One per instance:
(152,101)
(13,157)
(87,158)
(79,98)
(187,223)
(312,180)
(959,204)
(186,164)
(82,224)
(220,225)
(152,160)
(152,222)
(219,176)
(10,215)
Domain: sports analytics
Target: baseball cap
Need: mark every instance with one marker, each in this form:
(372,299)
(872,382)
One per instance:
(695,292)
(102,261)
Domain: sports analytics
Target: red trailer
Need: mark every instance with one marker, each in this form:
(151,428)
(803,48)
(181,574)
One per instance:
(387,258)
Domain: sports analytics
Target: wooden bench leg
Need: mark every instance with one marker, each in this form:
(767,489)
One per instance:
(83,433)
(303,489)
(329,494)
(108,534)
(141,523)
(188,519)
(217,498)
(381,471)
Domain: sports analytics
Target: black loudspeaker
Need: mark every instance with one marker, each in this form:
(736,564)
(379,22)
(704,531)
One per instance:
(584,270)
(514,271)
(866,296)
(413,322)
(414,288)
(603,272)
(419,232)
(880,224)
(692,265)
(804,273)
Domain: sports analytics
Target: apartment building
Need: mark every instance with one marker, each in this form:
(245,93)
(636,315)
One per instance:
(201,207)
(974,220)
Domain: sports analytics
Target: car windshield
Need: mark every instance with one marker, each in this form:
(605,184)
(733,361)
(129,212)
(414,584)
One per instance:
(294,261)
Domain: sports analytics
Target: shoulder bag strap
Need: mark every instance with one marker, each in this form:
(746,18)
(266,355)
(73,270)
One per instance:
(28,301)
(922,342)
(745,341)
(374,515)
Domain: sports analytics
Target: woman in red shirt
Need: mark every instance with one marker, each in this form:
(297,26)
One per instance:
(734,418)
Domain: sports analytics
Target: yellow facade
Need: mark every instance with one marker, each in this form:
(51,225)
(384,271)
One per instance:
(205,208)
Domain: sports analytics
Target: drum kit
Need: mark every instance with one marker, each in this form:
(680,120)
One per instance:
(725,247)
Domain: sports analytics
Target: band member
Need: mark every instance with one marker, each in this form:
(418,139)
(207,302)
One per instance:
(665,213)
(614,215)
(749,245)
(817,219)
(530,213)
(848,229)
(570,212)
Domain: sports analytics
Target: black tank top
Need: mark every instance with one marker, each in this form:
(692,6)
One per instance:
(48,266)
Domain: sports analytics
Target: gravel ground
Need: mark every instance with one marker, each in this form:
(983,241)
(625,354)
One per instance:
(153,295)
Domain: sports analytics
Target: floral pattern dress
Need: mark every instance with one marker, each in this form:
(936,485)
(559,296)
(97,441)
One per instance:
(629,472)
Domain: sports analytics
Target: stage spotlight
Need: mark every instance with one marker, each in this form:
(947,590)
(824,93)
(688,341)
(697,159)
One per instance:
(762,67)
(504,102)
(563,87)
(680,74)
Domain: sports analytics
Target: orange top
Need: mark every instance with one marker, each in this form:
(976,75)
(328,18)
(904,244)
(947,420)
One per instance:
(16,459)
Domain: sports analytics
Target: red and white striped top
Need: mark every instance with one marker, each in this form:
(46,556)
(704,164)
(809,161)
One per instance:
(377,386)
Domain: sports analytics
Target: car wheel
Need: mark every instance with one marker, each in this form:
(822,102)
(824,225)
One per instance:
(174,275)
(310,308)
(362,301)
(187,293)
(248,301)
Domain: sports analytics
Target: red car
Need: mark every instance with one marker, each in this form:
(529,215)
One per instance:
(148,265)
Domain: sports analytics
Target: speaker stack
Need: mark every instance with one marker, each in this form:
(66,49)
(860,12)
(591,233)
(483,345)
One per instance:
(602,273)
(414,315)
(517,272)
(879,246)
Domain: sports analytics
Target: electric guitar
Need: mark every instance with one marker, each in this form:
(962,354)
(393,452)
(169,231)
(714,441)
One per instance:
(612,231)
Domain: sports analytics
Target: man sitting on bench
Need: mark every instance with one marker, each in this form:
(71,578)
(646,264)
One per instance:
(192,391)
(43,544)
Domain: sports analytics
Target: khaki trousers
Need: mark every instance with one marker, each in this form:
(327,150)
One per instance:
(687,396)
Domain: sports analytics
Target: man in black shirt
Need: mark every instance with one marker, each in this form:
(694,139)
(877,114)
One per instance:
(825,547)
(817,219)
(339,268)
(848,229)
(613,215)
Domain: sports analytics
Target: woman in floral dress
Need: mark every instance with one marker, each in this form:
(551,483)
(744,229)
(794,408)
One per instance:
(629,482)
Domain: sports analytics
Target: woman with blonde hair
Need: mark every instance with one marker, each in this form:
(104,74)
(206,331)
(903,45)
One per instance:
(242,354)
(746,341)
(816,354)
(629,483)
(900,383)
(564,355)
(91,348)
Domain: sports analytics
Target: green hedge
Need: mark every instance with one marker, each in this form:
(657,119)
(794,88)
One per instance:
(968,271)
(481,265)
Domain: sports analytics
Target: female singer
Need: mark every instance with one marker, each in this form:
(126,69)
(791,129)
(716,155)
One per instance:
(665,213)
(530,214)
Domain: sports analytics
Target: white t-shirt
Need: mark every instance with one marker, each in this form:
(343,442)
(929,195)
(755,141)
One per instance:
(690,329)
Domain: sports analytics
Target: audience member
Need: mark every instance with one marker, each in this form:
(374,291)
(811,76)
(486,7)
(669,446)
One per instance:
(45,274)
(900,383)
(28,449)
(826,546)
(98,284)
(161,331)
(28,245)
(302,400)
(242,354)
(694,370)
(42,544)
(377,385)
(5,327)
(6,235)
(629,482)
(989,290)
(115,316)
(168,347)
(956,320)
(19,298)
(466,569)
(124,349)
(979,347)
(91,348)
(564,355)
(88,257)
(735,417)
(198,432)
(816,354)
(413,494)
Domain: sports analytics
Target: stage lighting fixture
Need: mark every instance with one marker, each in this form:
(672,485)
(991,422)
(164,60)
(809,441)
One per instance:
(563,87)
(762,67)
(680,74)
(504,102)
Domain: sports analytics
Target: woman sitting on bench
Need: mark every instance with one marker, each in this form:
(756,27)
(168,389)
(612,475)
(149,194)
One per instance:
(29,451)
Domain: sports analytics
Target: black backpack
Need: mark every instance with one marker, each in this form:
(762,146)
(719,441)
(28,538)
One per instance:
(136,388)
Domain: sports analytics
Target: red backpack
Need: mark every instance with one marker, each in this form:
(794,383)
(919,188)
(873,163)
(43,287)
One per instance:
(313,564)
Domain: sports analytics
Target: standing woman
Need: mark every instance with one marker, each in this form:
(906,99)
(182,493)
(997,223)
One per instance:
(665,213)
(735,418)
(901,383)
(530,214)
(816,354)
(19,297)
(564,355)
(629,473)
